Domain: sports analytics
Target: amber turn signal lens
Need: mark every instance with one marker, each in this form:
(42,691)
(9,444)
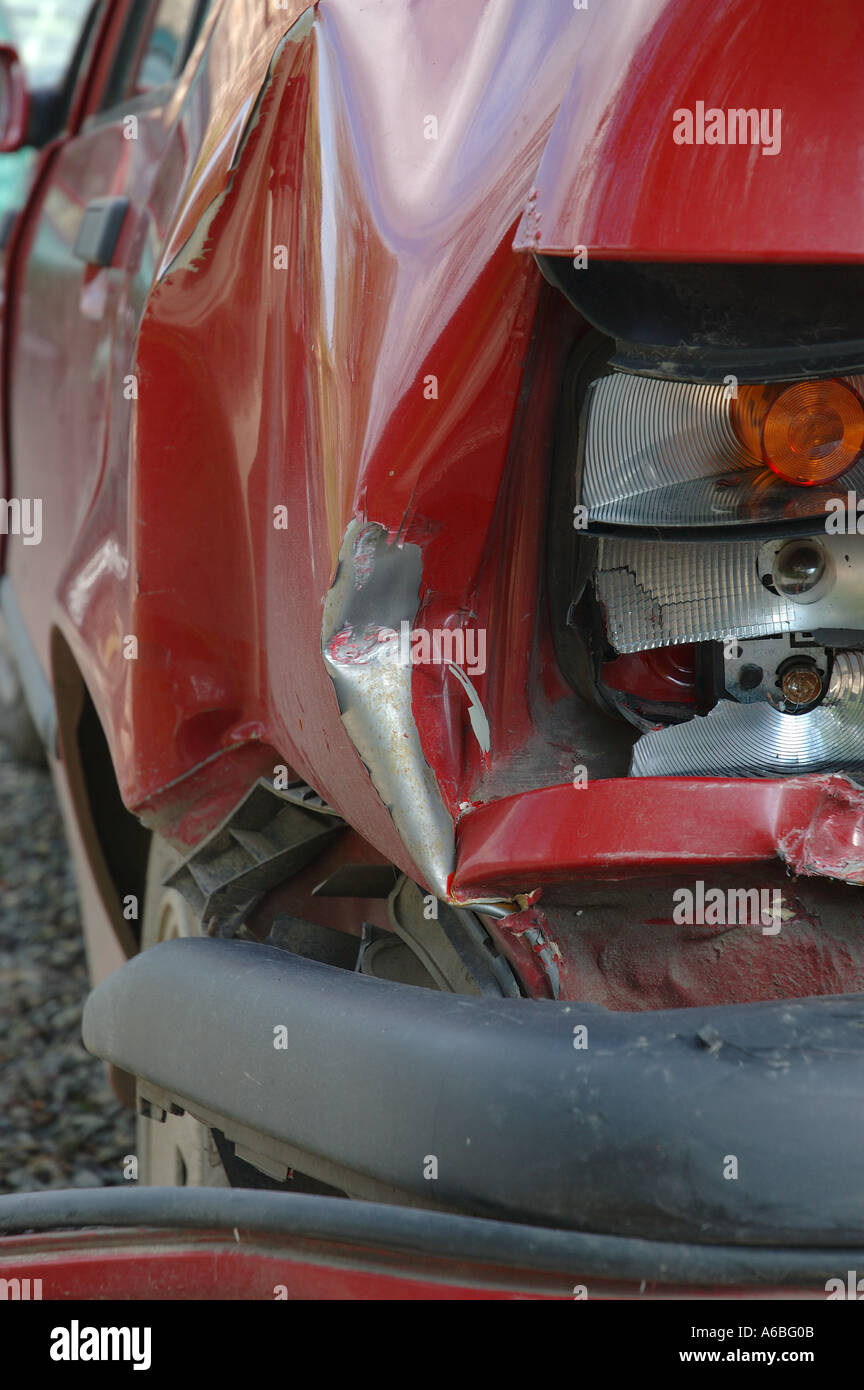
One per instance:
(749,409)
(813,432)
(808,433)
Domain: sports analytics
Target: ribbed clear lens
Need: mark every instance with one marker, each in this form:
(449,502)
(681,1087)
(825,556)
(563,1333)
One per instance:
(666,453)
(659,594)
(668,593)
(757,741)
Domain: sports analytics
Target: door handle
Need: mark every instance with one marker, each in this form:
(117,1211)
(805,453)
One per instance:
(100,230)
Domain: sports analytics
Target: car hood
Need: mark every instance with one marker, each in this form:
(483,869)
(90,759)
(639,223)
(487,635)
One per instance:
(616,179)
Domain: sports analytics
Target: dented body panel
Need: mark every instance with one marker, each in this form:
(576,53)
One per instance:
(311,404)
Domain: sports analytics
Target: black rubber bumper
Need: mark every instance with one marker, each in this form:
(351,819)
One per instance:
(735,1125)
(362,1233)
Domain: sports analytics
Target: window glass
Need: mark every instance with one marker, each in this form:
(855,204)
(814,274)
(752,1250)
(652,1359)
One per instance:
(170,39)
(45,33)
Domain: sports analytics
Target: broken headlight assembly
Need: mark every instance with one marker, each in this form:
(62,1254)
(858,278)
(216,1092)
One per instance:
(710,606)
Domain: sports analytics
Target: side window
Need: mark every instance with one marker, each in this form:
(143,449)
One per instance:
(175,28)
(159,36)
(46,36)
(57,45)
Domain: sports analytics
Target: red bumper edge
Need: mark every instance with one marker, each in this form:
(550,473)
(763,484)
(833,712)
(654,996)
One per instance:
(628,827)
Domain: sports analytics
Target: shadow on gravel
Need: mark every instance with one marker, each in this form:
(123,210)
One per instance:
(60,1125)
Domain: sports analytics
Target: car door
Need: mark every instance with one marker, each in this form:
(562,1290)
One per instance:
(88,227)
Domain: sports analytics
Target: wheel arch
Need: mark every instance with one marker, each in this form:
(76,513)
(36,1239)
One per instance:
(111,844)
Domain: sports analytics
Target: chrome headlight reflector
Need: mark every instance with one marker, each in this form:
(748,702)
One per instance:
(756,740)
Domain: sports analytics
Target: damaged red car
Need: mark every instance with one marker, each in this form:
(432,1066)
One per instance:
(433,434)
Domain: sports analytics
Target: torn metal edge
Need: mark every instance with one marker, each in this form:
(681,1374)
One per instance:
(376,588)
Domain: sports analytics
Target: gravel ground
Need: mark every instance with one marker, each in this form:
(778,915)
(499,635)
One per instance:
(60,1125)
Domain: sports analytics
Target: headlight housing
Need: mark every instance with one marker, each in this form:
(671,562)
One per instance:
(670,454)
